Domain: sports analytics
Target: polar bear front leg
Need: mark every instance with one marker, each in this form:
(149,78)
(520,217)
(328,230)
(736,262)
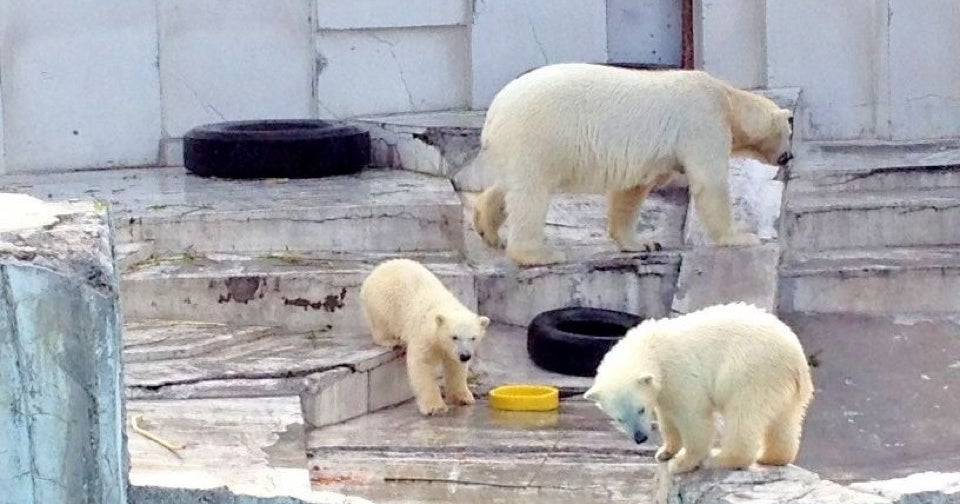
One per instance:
(711,195)
(455,376)
(421,369)
(623,213)
(526,218)
(671,439)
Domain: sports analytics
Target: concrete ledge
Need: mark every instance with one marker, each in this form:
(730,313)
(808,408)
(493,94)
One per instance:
(61,401)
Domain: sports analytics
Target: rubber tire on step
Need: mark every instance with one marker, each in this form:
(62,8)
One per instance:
(275,149)
(573,341)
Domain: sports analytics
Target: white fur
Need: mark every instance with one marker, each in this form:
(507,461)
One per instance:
(407,305)
(599,129)
(735,360)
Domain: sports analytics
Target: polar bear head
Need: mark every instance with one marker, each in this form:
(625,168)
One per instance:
(459,335)
(627,387)
(760,126)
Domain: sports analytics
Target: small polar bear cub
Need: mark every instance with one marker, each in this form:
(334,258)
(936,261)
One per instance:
(584,128)
(736,360)
(407,305)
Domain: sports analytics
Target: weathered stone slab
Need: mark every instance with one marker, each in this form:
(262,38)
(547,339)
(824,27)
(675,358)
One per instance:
(756,196)
(291,292)
(768,485)
(61,401)
(234,451)
(710,276)
(334,396)
(377,210)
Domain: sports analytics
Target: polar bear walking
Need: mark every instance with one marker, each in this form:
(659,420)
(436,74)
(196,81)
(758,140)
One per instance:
(736,360)
(406,305)
(588,128)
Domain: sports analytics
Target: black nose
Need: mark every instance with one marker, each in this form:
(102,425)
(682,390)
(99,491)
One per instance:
(784,158)
(639,437)
(464,357)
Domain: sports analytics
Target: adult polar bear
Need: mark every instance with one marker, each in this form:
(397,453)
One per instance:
(588,128)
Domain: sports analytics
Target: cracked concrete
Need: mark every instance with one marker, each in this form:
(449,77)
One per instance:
(60,365)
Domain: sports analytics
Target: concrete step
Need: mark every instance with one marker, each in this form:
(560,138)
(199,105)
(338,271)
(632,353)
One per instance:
(576,225)
(871,281)
(874,166)
(294,293)
(475,454)
(230,451)
(444,143)
(894,218)
(187,360)
(176,212)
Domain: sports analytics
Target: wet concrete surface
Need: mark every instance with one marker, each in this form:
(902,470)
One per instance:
(887,398)
(477,454)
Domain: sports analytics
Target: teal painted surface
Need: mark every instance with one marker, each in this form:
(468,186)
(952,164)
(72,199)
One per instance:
(60,390)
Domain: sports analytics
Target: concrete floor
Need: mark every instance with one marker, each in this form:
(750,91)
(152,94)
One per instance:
(887,392)
(477,454)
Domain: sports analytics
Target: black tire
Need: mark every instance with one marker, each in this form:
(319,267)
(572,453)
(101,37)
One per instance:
(573,341)
(275,149)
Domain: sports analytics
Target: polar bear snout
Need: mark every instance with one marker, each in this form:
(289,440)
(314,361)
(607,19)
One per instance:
(639,437)
(465,356)
(784,158)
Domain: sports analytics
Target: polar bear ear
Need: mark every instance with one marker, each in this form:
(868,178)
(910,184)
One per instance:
(646,380)
(440,320)
(484,321)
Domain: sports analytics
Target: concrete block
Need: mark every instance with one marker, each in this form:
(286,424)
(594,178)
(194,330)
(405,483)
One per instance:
(389,71)
(541,32)
(338,15)
(60,369)
(389,384)
(645,31)
(756,197)
(838,67)
(80,84)
(334,396)
(235,59)
(710,276)
(733,41)
(924,97)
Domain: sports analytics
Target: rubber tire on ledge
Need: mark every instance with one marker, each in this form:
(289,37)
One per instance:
(275,149)
(573,341)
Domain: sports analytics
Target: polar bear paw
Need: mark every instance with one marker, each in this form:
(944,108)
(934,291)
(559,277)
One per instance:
(664,454)
(433,408)
(634,245)
(739,239)
(535,257)
(462,398)
(682,463)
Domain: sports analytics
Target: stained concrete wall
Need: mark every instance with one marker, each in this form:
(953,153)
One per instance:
(60,373)
(99,83)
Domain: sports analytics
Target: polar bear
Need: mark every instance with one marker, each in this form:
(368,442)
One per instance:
(588,128)
(406,305)
(736,360)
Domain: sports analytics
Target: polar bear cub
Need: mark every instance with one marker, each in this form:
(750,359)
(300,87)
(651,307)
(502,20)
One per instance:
(406,305)
(736,360)
(586,128)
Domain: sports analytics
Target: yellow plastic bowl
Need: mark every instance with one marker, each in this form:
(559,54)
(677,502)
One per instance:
(525,398)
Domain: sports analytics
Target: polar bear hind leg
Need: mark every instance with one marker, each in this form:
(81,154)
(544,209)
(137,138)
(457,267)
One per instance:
(623,213)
